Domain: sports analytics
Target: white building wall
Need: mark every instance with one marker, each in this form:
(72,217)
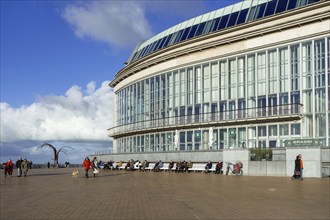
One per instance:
(311,161)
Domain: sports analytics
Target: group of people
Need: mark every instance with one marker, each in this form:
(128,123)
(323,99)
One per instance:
(94,165)
(21,165)
(181,166)
(298,168)
(218,167)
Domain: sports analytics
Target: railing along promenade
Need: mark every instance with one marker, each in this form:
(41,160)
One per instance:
(279,113)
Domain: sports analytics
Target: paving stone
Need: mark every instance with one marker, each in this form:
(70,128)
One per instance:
(55,194)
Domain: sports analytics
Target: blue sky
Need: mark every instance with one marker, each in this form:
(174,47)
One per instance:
(57,58)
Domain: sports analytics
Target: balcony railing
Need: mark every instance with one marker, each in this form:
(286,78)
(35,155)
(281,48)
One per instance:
(289,112)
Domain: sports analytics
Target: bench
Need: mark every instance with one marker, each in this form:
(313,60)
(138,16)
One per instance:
(200,167)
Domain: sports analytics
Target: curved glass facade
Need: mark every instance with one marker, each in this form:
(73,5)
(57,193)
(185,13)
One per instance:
(257,99)
(223,18)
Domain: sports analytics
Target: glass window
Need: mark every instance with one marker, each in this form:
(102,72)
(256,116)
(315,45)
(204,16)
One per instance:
(206,84)
(306,66)
(251,137)
(185,34)
(251,13)
(232,77)
(295,129)
(192,31)
(198,86)
(223,22)
(215,24)
(272,130)
(232,19)
(270,8)
(223,80)
(200,29)
(312,1)
(223,138)
(174,36)
(182,87)
(215,81)
(162,41)
(301,3)
(189,86)
(320,100)
(207,27)
(262,144)
(272,72)
(284,72)
(319,64)
(272,143)
(143,52)
(307,100)
(320,125)
(167,40)
(152,47)
(284,129)
(178,37)
(261,68)
(158,42)
(251,75)
(281,6)
(182,140)
(262,131)
(284,108)
(197,138)
(176,88)
(292,4)
(260,11)
(242,137)
(242,16)
(223,110)
(189,136)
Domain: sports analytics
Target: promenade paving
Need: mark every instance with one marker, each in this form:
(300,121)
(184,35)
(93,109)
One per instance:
(55,194)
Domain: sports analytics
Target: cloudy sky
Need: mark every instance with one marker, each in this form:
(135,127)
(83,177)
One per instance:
(57,59)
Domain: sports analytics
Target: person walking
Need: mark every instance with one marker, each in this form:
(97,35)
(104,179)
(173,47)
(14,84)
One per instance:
(87,165)
(8,166)
(301,167)
(95,166)
(25,167)
(18,166)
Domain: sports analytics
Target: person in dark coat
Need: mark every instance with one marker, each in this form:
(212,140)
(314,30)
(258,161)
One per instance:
(208,166)
(296,174)
(218,167)
(18,166)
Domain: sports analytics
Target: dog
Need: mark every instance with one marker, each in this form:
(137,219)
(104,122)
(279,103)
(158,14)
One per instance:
(75,173)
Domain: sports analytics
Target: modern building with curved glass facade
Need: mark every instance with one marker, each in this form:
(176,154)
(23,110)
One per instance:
(255,74)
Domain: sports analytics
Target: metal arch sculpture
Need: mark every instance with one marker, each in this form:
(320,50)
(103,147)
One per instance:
(56,152)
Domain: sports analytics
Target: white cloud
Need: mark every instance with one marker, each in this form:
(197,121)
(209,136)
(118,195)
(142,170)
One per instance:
(76,116)
(118,23)
(124,23)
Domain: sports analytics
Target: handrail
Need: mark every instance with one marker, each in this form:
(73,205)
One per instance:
(286,112)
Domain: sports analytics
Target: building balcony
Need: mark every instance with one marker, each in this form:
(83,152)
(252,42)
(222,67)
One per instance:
(264,115)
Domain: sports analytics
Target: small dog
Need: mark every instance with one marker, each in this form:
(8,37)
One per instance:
(75,173)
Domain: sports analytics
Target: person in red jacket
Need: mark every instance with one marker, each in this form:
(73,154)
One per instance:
(87,165)
(301,166)
(8,166)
